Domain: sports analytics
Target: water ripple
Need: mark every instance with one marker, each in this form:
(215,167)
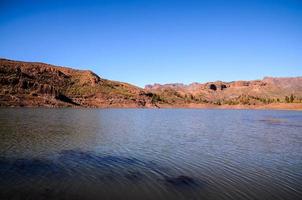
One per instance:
(150,154)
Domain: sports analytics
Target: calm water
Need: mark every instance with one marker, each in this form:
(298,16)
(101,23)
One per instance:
(150,154)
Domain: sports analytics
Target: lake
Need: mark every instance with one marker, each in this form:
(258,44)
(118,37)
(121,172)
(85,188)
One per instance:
(150,154)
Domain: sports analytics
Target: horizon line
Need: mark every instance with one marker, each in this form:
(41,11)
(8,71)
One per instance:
(149,84)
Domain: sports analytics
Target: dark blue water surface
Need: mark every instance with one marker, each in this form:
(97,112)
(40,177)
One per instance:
(150,154)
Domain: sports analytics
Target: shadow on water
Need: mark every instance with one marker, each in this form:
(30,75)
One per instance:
(78,166)
(28,168)
(272,121)
(280,122)
(182,181)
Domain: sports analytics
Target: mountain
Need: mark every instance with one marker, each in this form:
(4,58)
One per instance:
(33,84)
(39,84)
(257,92)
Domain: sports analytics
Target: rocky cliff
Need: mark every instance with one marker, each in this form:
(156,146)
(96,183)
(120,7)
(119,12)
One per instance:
(257,92)
(37,84)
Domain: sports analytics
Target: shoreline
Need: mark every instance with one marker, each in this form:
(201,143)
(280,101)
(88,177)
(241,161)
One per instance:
(279,106)
(274,106)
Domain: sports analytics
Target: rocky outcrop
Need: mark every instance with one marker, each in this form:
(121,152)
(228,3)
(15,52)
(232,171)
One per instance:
(258,92)
(40,84)
(216,86)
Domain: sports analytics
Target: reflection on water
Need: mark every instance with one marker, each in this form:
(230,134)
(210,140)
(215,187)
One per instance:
(95,170)
(150,154)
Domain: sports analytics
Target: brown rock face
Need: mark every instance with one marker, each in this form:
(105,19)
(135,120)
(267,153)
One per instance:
(39,84)
(258,92)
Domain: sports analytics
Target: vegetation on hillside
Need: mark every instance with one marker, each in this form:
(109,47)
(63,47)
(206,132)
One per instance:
(38,84)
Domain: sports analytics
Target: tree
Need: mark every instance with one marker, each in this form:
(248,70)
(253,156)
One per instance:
(155,98)
(291,98)
(286,99)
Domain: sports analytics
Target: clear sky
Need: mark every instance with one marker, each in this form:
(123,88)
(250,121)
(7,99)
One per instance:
(154,41)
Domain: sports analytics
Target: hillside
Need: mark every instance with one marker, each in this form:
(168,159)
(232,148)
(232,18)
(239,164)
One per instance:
(33,84)
(257,92)
(39,84)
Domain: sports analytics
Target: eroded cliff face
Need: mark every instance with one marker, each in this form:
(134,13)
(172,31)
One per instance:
(258,92)
(38,84)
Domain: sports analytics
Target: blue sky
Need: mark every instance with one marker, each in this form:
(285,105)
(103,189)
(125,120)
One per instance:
(143,42)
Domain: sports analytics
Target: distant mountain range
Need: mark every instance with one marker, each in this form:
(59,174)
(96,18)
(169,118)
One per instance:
(33,84)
